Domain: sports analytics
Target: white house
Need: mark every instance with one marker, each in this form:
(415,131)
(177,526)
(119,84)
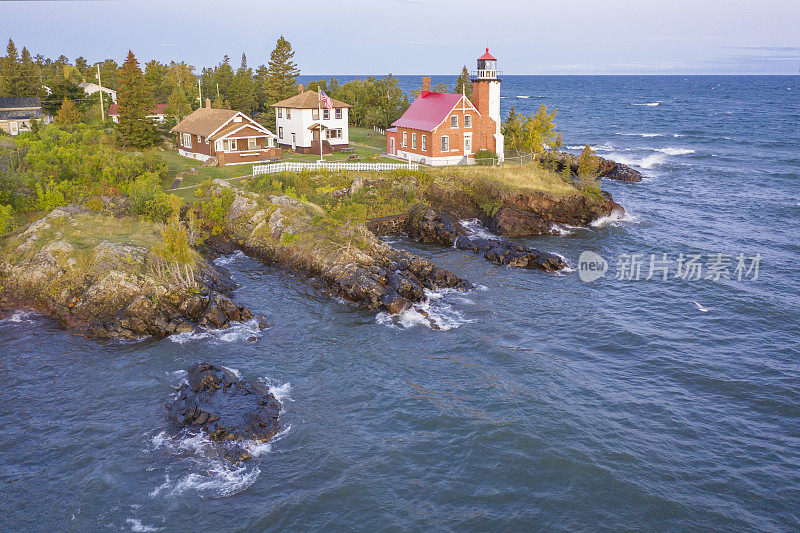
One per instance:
(92,88)
(299,120)
(159,114)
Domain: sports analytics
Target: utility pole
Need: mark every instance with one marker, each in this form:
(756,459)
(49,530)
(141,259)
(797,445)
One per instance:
(100,83)
(200,92)
(218,96)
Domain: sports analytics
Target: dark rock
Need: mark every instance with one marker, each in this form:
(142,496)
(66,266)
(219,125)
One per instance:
(229,411)
(431,227)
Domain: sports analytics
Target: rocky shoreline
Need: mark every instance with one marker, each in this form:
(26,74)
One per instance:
(111,288)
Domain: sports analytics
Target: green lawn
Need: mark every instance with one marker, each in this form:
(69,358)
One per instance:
(367,143)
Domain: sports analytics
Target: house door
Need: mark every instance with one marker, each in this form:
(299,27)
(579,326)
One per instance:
(467,144)
(14,128)
(392,150)
(294,141)
(316,135)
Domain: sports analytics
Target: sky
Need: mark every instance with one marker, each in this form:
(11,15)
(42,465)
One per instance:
(426,36)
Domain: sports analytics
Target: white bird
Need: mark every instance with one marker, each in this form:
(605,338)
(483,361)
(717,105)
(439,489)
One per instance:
(702,309)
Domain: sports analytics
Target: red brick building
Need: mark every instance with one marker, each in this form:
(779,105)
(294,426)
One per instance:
(230,136)
(446,128)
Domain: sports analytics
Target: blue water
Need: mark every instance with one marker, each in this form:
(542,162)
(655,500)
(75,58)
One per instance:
(546,403)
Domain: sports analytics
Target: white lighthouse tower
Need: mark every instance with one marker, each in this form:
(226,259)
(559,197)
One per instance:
(486,97)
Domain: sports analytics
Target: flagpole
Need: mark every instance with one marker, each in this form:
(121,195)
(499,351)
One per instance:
(319,111)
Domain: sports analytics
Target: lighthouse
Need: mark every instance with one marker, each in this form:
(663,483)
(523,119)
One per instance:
(486,97)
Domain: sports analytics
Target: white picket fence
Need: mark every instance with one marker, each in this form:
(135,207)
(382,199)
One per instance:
(379,130)
(292,166)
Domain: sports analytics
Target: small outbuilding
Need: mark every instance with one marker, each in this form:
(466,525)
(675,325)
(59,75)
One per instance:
(18,112)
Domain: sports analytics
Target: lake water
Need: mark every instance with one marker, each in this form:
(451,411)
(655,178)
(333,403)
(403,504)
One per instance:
(543,402)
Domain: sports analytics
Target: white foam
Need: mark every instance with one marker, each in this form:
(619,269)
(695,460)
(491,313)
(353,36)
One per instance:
(432,312)
(233,371)
(650,104)
(228,259)
(281,392)
(237,332)
(567,269)
(256,449)
(19,318)
(642,134)
(560,230)
(214,477)
(675,151)
(522,96)
(646,162)
(614,219)
(605,147)
(474,227)
(138,527)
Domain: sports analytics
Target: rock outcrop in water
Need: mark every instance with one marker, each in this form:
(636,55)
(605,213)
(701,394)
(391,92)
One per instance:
(227,410)
(348,261)
(430,227)
(608,168)
(69,265)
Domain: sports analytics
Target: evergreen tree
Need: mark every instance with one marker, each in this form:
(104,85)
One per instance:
(464,84)
(11,72)
(177,104)
(223,80)
(244,98)
(135,103)
(155,74)
(31,80)
(68,114)
(260,82)
(282,72)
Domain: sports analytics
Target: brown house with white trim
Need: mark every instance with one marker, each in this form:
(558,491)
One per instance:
(230,136)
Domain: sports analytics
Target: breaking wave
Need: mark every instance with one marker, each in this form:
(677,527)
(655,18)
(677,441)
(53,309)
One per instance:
(674,151)
(239,331)
(138,527)
(614,219)
(433,312)
(646,162)
(641,134)
(474,227)
(649,104)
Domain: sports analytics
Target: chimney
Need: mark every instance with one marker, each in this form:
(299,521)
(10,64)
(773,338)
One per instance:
(300,89)
(208,103)
(426,84)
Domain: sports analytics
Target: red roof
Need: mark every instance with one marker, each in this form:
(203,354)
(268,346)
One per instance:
(488,56)
(113,109)
(428,111)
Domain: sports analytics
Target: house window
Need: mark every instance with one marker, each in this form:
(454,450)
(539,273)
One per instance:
(424,143)
(326,114)
(288,113)
(405,138)
(454,121)
(338,112)
(251,143)
(186,140)
(467,121)
(232,145)
(445,143)
(414,141)
(335,133)
(280,113)
(237,119)
(280,132)
(315,114)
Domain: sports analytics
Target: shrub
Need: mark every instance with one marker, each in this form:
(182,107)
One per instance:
(5,218)
(149,200)
(485,157)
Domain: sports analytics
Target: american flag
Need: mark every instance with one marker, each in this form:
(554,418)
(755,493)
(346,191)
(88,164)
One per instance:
(326,100)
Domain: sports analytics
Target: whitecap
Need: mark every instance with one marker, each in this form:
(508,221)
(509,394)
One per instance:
(640,134)
(256,449)
(138,527)
(228,259)
(19,317)
(567,269)
(674,151)
(476,228)
(646,162)
(649,104)
(613,219)
(522,96)
(237,332)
